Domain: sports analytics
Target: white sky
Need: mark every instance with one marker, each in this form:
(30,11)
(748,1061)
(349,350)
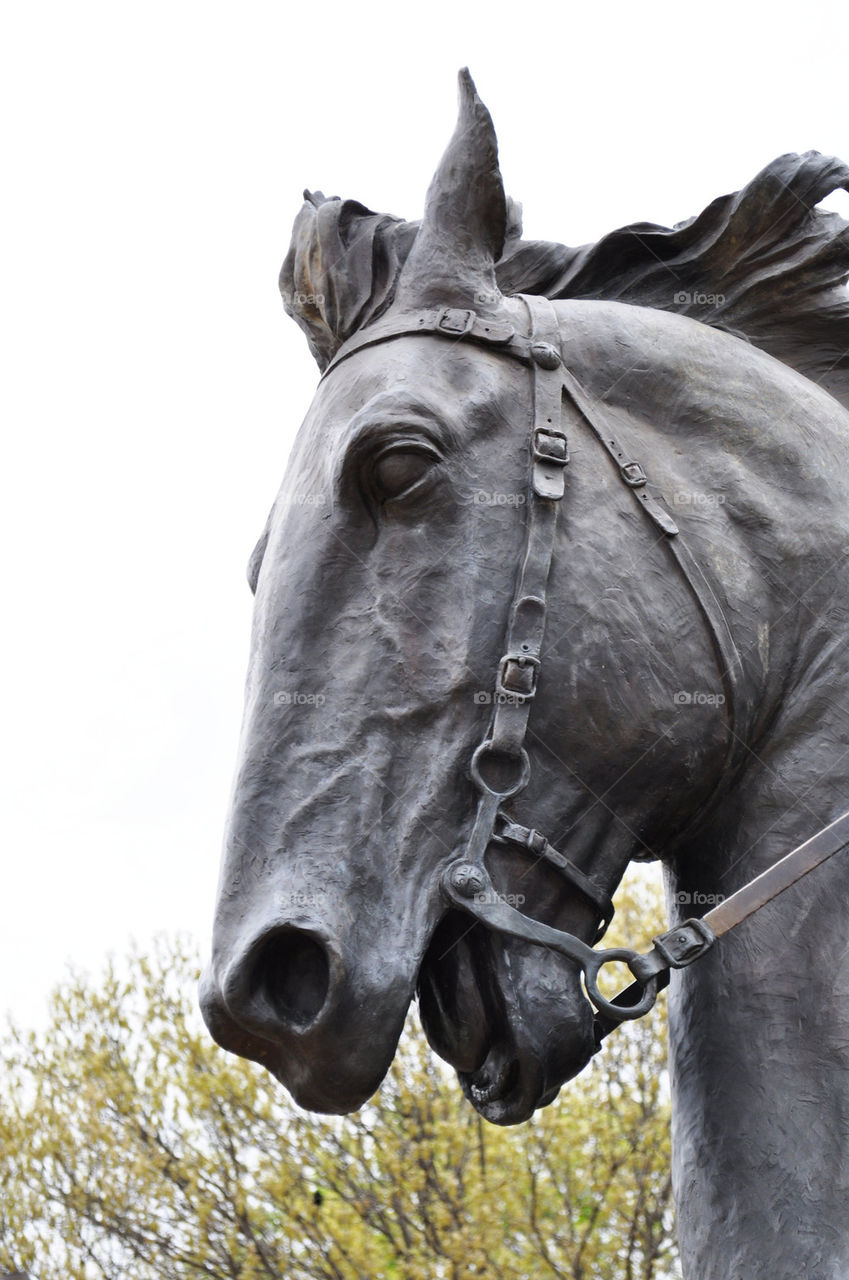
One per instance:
(153,158)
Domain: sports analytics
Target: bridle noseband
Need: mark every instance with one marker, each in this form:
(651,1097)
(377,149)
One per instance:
(500,766)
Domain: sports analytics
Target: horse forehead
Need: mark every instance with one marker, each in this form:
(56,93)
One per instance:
(423,371)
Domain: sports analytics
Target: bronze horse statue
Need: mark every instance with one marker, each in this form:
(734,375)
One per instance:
(441,663)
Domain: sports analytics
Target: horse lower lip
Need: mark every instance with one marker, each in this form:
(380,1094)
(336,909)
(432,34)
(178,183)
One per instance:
(492,1082)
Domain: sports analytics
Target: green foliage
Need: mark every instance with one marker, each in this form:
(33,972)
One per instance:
(131,1148)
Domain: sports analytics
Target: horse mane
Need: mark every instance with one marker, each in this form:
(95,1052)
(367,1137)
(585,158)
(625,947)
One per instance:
(764,263)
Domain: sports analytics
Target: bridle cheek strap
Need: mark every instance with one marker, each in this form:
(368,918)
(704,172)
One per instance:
(500,765)
(518,669)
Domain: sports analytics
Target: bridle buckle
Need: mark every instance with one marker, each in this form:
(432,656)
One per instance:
(633,474)
(455,321)
(551,446)
(517,676)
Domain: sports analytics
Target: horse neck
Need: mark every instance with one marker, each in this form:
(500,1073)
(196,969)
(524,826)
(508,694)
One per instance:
(759,1028)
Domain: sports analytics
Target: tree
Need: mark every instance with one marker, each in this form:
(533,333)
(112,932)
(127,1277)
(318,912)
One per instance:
(132,1149)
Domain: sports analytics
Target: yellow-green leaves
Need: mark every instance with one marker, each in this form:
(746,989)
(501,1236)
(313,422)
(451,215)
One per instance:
(132,1148)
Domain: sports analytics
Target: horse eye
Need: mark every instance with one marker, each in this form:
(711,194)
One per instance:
(400,468)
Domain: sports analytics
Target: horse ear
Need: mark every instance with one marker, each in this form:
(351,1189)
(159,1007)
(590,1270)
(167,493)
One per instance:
(452,261)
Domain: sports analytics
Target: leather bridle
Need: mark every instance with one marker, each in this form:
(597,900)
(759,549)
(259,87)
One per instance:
(500,766)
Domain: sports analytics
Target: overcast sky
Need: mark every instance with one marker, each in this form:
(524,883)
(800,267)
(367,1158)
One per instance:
(153,160)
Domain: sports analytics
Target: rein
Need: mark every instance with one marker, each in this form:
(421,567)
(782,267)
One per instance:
(500,766)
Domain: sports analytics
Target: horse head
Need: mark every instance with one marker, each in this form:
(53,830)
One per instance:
(384,582)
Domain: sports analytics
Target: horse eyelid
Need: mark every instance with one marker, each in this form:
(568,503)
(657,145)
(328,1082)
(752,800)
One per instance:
(410,491)
(425,450)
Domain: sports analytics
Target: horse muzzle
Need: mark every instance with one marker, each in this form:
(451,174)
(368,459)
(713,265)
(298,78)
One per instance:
(325,1024)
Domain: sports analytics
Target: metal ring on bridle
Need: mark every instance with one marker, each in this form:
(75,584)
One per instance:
(592,967)
(480,782)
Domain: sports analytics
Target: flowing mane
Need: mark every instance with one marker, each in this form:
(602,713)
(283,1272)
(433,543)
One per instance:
(764,263)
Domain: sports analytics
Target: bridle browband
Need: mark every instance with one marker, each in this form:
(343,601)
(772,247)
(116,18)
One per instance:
(466,883)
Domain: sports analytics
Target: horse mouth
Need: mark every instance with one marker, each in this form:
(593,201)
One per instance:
(504,1089)
(497,1090)
(494,1010)
(493,1082)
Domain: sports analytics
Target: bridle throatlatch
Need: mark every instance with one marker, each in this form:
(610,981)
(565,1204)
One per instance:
(500,765)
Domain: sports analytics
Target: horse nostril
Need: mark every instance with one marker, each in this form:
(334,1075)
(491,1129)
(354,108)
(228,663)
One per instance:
(292,973)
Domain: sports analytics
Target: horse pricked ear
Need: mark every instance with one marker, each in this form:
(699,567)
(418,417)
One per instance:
(465,221)
(466,192)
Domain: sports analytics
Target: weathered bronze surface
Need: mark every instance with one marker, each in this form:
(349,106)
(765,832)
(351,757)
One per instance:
(681,584)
